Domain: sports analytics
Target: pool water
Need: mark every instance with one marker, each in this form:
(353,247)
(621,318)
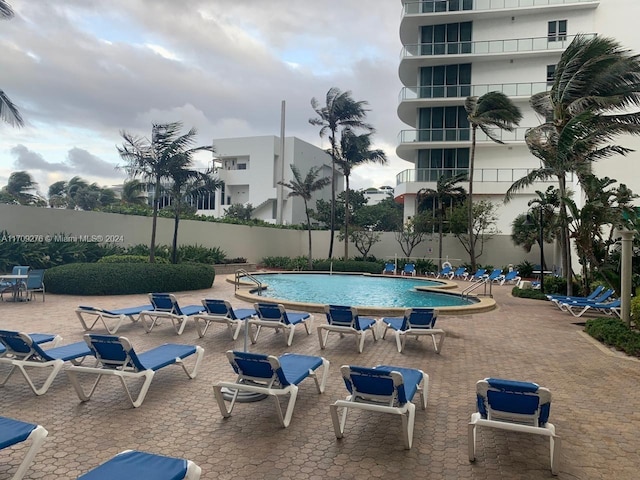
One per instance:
(356,290)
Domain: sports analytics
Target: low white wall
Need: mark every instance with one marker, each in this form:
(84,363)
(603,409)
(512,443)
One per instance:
(252,243)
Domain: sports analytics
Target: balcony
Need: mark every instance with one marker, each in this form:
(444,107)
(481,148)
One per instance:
(446,135)
(448,6)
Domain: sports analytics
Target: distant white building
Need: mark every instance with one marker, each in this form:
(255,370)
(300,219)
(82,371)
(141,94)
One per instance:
(251,167)
(376,195)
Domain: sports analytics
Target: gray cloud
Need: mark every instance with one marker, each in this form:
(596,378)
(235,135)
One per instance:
(26,159)
(84,162)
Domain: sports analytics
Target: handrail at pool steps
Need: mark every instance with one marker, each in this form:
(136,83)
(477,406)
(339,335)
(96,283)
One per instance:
(483,281)
(243,274)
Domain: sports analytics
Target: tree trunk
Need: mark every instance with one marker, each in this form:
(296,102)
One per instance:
(306,211)
(154,222)
(333,194)
(564,236)
(174,245)
(472,253)
(346,220)
(440,235)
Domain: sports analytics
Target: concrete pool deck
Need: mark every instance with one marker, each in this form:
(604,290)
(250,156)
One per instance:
(595,408)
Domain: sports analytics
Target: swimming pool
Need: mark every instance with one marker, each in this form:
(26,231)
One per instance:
(357,290)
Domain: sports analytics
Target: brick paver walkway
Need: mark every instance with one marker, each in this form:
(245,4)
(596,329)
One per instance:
(595,409)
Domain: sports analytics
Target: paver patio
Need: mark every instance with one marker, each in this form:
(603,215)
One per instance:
(596,406)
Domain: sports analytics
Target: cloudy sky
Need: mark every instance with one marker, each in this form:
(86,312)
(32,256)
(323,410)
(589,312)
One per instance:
(82,71)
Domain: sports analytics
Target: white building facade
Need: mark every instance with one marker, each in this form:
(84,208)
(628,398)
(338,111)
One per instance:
(453,49)
(251,168)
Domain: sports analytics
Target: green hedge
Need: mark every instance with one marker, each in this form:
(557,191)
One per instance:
(528,293)
(127,278)
(130,259)
(348,266)
(612,331)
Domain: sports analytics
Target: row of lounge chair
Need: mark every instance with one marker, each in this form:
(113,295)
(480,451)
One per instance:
(409,269)
(599,301)
(340,319)
(496,275)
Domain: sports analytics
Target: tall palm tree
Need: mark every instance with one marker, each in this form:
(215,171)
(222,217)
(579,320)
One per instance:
(20,187)
(339,112)
(186,182)
(8,111)
(355,150)
(491,110)
(446,194)
(595,83)
(133,192)
(152,160)
(304,188)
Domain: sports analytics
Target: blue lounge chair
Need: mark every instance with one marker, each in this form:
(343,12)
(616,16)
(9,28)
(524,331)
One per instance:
(165,306)
(139,465)
(34,284)
(409,269)
(345,320)
(515,406)
(116,357)
(416,322)
(460,273)
(558,300)
(272,376)
(111,319)
(603,297)
(494,275)
(38,338)
(609,308)
(274,315)
(13,432)
(221,311)
(389,267)
(22,353)
(509,277)
(479,275)
(383,389)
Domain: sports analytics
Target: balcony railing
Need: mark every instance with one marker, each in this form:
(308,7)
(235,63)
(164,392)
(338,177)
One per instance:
(463,91)
(484,47)
(439,6)
(458,135)
(479,174)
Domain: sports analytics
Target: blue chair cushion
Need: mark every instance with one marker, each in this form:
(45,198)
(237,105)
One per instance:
(295,368)
(411,377)
(243,313)
(192,309)
(394,322)
(164,355)
(68,352)
(136,464)
(14,431)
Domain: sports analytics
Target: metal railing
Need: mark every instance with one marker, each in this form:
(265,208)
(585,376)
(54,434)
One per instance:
(441,6)
(242,274)
(458,135)
(477,284)
(484,47)
(479,174)
(463,91)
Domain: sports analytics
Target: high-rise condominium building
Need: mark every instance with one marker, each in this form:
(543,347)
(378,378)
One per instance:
(452,49)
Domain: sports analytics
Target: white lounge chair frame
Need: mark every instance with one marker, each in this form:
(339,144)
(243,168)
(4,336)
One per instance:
(37,438)
(125,372)
(270,387)
(110,321)
(288,329)
(381,404)
(437,334)
(514,422)
(205,319)
(360,335)
(151,318)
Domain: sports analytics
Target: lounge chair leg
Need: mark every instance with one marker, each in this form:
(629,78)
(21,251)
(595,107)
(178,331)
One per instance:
(254,338)
(55,364)
(338,423)
(289,412)
(555,453)
(399,342)
(360,341)
(292,331)
(438,346)
(37,436)
(472,442)
(236,333)
(408,422)
(217,393)
(323,338)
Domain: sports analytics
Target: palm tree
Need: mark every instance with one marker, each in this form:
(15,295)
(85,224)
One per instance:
(491,110)
(20,187)
(133,193)
(152,160)
(446,194)
(355,150)
(186,182)
(8,111)
(595,83)
(339,112)
(304,188)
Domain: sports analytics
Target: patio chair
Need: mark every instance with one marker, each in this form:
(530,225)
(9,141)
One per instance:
(460,273)
(22,353)
(415,322)
(274,315)
(13,432)
(345,320)
(136,464)
(111,319)
(509,277)
(383,389)
(38,338)
(479,275)
(609,308)
(34,284)
(497,272)
(560,299)
(409,270)
(389,267)
(13,286)
(515,406)
(272,376)
(220,311)
(568,305)
(165,306)
(116,357)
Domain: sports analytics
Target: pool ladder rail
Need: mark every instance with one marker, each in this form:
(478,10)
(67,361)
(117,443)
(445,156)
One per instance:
(242,274)
(478,283)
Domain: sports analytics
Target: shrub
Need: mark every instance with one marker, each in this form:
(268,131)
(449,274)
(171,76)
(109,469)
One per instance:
(200,254)
(130,259)
(528,293)
(525,269)
(612,331)
(127,278)
(348,266)
(635,309)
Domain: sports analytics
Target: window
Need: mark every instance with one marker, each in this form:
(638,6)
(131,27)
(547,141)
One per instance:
(431,6)
(439,124)
(557,31)
(551,72)
(445,81)
(438,162)
(450,38)
(242,166)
